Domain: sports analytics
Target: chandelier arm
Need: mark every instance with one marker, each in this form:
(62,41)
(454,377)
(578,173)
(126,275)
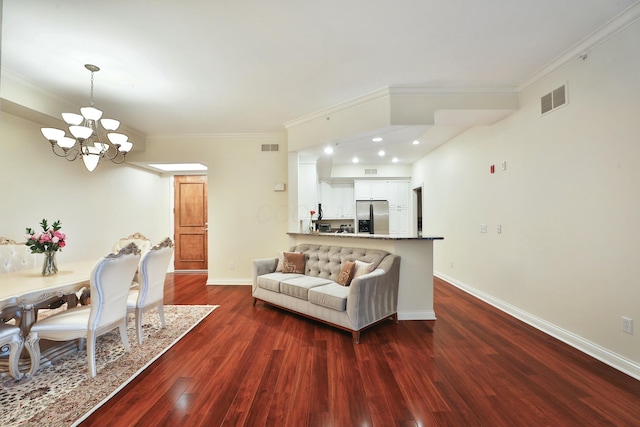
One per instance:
(68,153)
(113,159)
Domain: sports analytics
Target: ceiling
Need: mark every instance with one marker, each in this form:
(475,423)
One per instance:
(208,67)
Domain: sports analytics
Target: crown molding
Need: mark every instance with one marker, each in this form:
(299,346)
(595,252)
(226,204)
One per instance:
(602,34)
(224,136)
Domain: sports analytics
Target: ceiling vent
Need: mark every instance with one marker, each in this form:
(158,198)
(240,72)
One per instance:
(553,100)
(371,171)
(270,147)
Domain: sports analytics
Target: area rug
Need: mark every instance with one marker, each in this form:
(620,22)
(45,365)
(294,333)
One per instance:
(66,385)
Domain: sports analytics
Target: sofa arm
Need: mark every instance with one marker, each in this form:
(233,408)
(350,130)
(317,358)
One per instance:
(263,266)
(374,296)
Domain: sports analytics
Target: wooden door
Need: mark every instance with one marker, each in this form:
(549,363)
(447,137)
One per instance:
(190,222)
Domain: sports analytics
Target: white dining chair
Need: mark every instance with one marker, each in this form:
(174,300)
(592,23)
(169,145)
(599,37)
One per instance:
(142,242)
(110,282)
(150,292)
(11,337)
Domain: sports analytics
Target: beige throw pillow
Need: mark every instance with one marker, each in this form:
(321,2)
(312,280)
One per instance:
(346,273)
(293,263)
(363,268)
(280,261)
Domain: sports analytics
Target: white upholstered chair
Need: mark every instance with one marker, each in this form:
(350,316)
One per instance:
(141,241)
(150,292)
(11,339)
(15,256)
(110,282)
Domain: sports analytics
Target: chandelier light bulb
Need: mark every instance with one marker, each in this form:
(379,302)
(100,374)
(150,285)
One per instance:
(72,118)
(110,124)
(52,134)
(80,132)
(66,142)
(91,113)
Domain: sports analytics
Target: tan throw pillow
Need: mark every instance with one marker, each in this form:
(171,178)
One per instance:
(280,261)
(293,263)
(346,273)
(363,268)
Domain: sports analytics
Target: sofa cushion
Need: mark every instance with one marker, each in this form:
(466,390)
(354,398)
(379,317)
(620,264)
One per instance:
(332,295)
(271,281)
(346,273)
(326,261)
(293,263)
(299,286)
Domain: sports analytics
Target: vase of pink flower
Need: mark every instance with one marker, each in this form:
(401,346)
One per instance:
(312,213)
(48,242)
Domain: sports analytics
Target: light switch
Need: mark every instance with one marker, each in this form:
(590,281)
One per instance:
(503,165)
(483,228)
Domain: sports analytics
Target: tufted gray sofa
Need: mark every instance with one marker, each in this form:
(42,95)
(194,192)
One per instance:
(369,299)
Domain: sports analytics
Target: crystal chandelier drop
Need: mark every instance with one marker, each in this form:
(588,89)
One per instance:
(89,130)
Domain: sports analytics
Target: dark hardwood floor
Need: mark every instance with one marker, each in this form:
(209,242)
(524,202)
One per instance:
(474,366)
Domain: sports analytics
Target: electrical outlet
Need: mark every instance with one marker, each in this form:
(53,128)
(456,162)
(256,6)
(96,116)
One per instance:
(627,325)
(483,228)
(451,263)
(232,265)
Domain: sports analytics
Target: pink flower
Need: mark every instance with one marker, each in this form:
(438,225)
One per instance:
(62,244)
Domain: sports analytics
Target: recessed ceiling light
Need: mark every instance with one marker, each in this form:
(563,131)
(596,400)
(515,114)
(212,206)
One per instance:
(381,153)
(394,160)
(376,139)
(415,142)
(355,160)
(174,167)
(328,150)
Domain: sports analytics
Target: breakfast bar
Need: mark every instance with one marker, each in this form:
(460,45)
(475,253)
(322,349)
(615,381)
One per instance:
(415,293)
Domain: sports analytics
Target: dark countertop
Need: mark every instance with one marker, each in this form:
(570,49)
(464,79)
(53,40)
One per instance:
(366,236)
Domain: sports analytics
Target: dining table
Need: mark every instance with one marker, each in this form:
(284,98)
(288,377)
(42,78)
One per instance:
(24,293)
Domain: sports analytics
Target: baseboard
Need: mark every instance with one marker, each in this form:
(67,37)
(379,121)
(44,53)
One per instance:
(214,281)
(596,351)
(417,315)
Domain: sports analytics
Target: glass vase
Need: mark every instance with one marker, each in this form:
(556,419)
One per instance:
(50,265)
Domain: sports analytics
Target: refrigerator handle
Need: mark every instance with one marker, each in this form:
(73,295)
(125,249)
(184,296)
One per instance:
(371,225)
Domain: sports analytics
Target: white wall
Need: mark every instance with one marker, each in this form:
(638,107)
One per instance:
(247,218)
(96,209)
(568,256)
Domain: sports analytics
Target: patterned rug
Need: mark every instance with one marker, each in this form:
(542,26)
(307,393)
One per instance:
(66,385)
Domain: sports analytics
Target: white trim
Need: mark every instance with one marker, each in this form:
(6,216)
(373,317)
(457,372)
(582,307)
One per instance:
(594,350)
(417,315)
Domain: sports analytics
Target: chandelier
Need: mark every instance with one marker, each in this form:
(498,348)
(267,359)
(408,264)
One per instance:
(88,131)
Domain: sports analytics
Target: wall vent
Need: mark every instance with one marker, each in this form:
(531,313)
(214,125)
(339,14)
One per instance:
(553,99)
(371,171)
(270,147)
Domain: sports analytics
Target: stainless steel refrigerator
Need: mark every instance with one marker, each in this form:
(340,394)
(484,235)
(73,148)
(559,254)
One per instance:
(372,216)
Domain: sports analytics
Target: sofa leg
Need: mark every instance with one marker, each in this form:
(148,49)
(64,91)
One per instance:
(254,301)
(356,337)
(394,317)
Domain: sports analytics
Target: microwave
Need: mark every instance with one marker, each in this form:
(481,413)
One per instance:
(324,228)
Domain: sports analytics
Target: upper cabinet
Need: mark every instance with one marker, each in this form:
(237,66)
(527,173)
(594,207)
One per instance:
(337,201)
(370,190)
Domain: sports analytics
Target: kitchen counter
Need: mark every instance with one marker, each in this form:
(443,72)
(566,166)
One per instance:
(368,236)
(415,292)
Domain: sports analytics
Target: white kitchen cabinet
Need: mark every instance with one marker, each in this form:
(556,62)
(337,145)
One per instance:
(398,194)
(370,190)
(337,200)
(399,221)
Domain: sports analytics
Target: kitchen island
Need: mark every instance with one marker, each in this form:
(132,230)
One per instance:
(415,293)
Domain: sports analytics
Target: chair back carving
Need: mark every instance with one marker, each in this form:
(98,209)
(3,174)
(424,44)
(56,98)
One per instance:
(110,281)
(143,243)
(153,270)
